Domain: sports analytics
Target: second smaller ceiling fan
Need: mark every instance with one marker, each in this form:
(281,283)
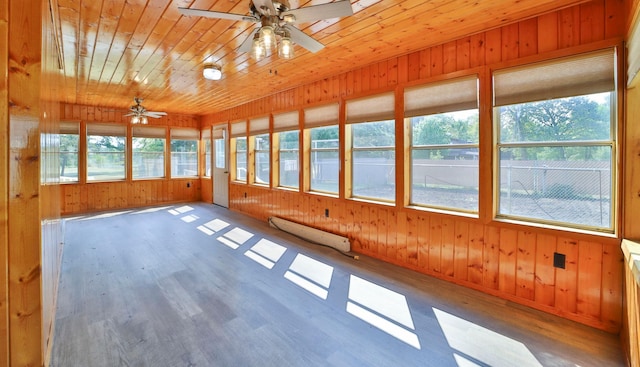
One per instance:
(139,114)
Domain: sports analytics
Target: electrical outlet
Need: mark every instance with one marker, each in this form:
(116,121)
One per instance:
(245,194)
(326,213)
(188,184)
(559,260)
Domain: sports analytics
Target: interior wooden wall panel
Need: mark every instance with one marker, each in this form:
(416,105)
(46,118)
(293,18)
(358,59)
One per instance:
(631,331)
(4,184)
(509,261)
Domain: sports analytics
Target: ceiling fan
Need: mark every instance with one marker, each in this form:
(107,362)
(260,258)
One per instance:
(277,19)
(139,114)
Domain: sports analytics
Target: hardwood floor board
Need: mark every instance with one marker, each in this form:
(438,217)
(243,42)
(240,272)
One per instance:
(150,289)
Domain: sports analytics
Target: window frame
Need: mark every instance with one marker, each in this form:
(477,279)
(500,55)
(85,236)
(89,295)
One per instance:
(155,132)
(611,143)
(71,128)
(187,135)
(111,131)
(441,97)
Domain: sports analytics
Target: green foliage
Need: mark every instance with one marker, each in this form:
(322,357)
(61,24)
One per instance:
(566,119)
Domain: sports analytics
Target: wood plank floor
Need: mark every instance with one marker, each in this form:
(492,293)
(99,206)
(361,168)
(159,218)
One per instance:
(198,285)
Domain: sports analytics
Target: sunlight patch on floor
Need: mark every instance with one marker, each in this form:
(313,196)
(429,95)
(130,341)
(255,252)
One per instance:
(310,274)
(104,215)
(235,237)
(383,308)
(189,218)
(482,344)
(266,253)
(180,210)
(213,226)
(150,210)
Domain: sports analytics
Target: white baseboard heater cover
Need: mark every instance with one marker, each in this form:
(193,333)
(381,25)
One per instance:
(311,234)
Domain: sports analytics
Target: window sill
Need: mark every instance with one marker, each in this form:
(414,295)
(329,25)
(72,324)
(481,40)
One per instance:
(603,233)
(373,201)
(444,211)
(631,252)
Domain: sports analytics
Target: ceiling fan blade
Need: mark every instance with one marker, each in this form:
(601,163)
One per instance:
(303,39)
(216,15)
(154,114)
(248,42)
(130,114)
(265,7)
(319,12)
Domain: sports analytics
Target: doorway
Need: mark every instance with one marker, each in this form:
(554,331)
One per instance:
(220,166)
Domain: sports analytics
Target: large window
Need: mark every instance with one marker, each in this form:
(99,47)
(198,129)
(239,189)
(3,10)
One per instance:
(69,148)
(259,132)
(184,152)
(106,152)
(321,125)
(239,150)
(372,136)
(287,138)
(556,141)
(443,121)
(148,152)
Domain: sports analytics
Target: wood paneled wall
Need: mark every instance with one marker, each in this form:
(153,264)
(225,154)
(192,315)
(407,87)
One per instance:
(506,260)
(30,232)
(631,330)
(85,197)
(4,183)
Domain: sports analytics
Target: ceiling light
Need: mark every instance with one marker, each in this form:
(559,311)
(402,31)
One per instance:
(258,51)
(268,37)
(139,119)
(212,72)
(285,48)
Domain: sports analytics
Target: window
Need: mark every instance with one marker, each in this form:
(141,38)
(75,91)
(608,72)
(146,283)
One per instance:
(206,138)
(69,148)
(287,138)
(324,148)
(184,152)
(220,147)
(259,132)
(239,154)
(556,141)
(106,152)
(372,146)
(443,123)
(148,152)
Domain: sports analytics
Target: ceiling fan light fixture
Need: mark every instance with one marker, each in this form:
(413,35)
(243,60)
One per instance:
(267,37)
(258,51)
(285,48)
(212,72)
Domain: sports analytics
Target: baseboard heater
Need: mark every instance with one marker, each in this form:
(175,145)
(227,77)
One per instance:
(311,234)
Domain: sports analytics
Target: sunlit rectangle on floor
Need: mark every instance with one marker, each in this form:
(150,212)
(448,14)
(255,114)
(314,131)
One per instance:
(205,230)
(383,324)
(482,344)
(312,269)
(216,225)
(189,218)
(259,259)
(384,301)
(269,250)
(227,242)
(238,235)
(307,285)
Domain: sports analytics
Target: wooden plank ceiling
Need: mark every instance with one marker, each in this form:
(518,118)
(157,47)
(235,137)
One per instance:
(113,50)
